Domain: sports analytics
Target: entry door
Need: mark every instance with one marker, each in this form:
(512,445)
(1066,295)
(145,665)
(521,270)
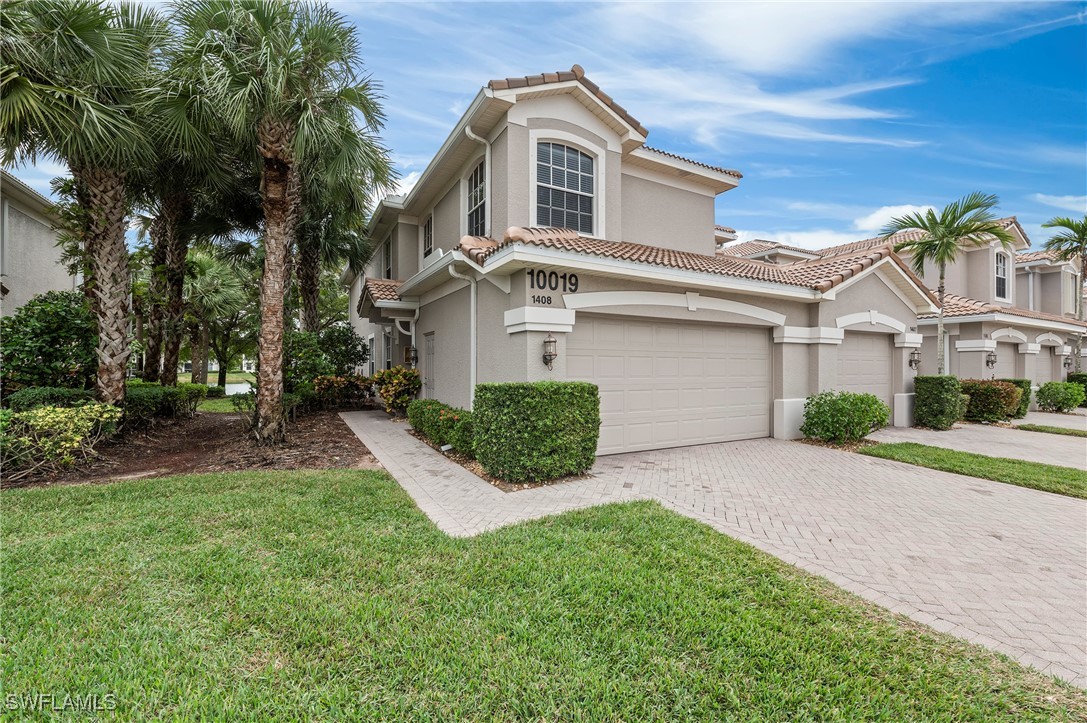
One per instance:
(428,365)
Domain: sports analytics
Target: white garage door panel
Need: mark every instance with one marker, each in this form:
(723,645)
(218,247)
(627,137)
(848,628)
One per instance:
(864,364)
(1006,354)
(669,384)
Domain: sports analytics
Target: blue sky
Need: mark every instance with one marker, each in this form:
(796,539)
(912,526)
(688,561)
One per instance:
(838,114)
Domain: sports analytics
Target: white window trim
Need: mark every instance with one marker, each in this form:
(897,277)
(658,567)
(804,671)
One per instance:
(428,221)
(599,155)
(464,190)
(1008,275)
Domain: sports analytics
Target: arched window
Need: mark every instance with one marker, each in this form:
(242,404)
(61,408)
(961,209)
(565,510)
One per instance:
(1001,275)
(564,187)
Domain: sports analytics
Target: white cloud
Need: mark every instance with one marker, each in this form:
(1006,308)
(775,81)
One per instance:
(813,239)
(873,222)
(406,183)
(1075,204)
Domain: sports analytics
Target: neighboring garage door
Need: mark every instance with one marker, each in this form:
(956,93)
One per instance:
(1043,366)
(1006,354)
(864,364)
(670,384)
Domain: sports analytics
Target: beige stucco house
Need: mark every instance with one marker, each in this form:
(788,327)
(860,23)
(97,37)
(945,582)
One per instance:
(545,215)
(30,262)
(1008,313)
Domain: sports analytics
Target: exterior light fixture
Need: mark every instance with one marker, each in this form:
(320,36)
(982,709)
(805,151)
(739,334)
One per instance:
(1068,361)
(915,359)
(551,353)
(411,355)
(990,359)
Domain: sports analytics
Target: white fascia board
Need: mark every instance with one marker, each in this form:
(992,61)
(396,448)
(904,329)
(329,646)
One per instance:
(1005,319)
(434,270)
(402,304)
(512,95)
(686,166)
(347,276)
(524,254)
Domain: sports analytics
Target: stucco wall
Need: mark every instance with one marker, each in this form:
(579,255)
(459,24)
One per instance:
(500,184)
(30,259)
(447,226)
(407,250)
(660,215)
(448,319)
(1048,287)
(869,294)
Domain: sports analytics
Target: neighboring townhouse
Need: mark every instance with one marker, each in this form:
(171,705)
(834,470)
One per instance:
(546,240)
(30,261)
(1008,313)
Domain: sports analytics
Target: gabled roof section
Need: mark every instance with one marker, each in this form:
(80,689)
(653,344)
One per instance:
(959,306)
(757,247)
(1010,223)
(1035,256)
(821,274)
(716,169)
(576,73)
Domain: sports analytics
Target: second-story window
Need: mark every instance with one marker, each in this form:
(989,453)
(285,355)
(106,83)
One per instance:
(564,187)
(428,236)
(1001,276)
(477,201)
(387,260)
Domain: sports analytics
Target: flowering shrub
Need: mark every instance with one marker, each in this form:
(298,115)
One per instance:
(397,387)
(990,400)
(46,438)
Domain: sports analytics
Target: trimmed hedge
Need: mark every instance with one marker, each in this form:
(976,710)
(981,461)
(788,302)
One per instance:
(843,416)
(990,400)
(1024,401)
(216,392)
(537,430)
(938,401)
(1060,396)
(1079,378)
(32,397)
(442,424)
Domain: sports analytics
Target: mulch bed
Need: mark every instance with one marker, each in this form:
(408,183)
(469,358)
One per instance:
(216,443)
(473,466)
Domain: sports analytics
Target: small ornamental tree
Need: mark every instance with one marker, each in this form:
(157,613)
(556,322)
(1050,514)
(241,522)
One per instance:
(345,349)
(49,342)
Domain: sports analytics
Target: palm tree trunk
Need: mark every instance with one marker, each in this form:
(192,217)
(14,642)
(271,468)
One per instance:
(269,424)
(105,241)
(202,339)
(1077,349)
(152,365)
(177,207)
(309,283)
(195,354)
(941,342)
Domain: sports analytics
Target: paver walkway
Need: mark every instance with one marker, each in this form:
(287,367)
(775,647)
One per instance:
(997,564)
(996,442)
(1076,420)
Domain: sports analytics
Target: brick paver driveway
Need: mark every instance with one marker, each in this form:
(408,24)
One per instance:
(1000,565)
(1066,451)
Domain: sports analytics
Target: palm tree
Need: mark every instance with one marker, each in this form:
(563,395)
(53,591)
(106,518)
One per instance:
(1071,245)
(285,76)
(969,221)
(73,84)
(213,292)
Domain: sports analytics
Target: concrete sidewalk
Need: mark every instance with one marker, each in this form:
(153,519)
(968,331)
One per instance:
(996,442)
(996,564)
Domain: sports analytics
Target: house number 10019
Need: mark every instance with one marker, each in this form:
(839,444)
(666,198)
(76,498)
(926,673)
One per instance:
(552,281)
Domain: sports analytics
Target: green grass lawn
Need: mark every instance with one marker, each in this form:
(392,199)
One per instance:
(1047,477)
(220,405)
(235,377)
(328,595)
(1052,430)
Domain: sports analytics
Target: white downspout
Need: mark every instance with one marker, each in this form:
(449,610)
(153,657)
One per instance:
(471,334)
(486,180)
(411,330)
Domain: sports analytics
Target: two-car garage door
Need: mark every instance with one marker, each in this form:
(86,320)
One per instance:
(669,384)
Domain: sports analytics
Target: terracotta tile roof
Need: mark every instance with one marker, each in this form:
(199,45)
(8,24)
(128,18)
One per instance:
(726,229)
(575,73)
(820,274)
(955,305)
(894,240)
(748,248)
(727,171)
(382,289)
(1035,256)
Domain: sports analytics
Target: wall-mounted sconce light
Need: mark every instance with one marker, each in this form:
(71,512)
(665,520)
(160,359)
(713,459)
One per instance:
(1067,362)
(551,353)
(990,359)
(411,355)
(915,358)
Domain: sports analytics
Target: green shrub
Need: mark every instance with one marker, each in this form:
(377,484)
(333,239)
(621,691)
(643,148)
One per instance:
(442,424)
(345,350)
(397,387)
(1024,386)
(536,431)
(843,416)
(216,392)
(188,397)
(990,400)
(144,402)
(938,401)
(31,397)
(1060,396)
(303,359)
(341,391)
(423,417)
(462,436)
(1079,378)
(50,438)
(49,342)
(964,404)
